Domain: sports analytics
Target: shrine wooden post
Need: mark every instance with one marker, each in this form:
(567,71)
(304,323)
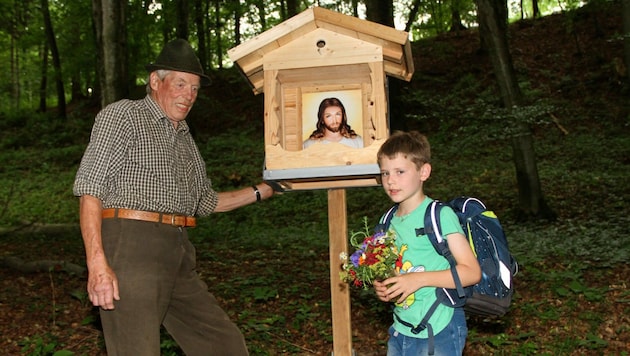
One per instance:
(339,290)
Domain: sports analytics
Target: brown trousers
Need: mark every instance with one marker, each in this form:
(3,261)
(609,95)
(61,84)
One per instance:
(155,265)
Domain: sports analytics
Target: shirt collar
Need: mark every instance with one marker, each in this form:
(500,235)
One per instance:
(158,114)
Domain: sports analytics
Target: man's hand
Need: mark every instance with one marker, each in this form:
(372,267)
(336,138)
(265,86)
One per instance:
(102,287)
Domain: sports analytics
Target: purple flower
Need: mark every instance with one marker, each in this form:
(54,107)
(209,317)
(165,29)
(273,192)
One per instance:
(354,258)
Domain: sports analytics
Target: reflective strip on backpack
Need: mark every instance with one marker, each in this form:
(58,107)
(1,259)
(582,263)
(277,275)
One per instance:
(434,224)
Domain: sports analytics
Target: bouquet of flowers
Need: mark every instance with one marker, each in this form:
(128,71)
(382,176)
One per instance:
(374,259)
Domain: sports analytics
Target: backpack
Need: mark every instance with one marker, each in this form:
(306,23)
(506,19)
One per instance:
(492,296)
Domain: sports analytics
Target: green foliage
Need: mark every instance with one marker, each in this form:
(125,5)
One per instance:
(593,342)
(469,102)
(168,346)
(435,17)
(150,24)
(46,345)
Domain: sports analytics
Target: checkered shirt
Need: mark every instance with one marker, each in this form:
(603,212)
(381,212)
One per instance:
(137,160)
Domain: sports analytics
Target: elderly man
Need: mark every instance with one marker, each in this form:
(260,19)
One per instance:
(141,183)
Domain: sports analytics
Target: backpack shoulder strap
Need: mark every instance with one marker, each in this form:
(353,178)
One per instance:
(383,224)
(468,207)
(433,229)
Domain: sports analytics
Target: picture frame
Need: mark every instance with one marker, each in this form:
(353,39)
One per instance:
(351,99)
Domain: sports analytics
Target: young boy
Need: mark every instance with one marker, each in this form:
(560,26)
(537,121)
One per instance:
(404,160)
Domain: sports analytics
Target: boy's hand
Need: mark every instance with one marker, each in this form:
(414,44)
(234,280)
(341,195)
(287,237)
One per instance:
(399,287)
(381,291)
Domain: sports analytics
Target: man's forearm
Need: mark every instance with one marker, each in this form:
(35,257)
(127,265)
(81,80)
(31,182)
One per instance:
(90,213)
(235,199)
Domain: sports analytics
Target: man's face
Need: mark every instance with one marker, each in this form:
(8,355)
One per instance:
(333,117)
(176,94)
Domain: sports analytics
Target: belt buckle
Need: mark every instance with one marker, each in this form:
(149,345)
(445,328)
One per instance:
(173,216)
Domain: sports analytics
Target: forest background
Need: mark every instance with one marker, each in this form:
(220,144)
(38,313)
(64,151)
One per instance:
(569,64)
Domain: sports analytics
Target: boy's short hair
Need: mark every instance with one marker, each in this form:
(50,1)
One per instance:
(412,145)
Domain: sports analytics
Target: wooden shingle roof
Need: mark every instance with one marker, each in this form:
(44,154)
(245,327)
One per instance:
(301,32)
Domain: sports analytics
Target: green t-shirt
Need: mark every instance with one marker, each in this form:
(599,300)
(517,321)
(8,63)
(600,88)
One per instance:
(419,255)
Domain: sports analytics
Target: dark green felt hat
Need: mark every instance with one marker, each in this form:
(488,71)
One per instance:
(179,56)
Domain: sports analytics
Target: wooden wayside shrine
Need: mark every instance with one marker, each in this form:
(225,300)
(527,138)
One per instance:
(318,54)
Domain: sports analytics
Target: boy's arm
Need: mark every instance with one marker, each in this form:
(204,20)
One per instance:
(400,287)
(467,265)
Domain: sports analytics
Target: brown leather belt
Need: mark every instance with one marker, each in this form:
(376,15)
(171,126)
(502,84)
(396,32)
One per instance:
(169,219)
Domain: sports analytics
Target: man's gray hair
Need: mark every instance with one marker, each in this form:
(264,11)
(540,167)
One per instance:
(161,73)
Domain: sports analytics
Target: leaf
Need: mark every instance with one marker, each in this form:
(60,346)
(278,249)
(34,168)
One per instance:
(563,292)
(577,287)
(63,353)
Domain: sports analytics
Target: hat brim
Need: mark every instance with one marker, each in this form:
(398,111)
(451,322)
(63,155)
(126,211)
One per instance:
(205,80)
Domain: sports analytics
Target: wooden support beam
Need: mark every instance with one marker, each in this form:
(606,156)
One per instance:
(340,291)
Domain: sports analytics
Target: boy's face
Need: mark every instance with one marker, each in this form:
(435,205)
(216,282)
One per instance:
(402,180)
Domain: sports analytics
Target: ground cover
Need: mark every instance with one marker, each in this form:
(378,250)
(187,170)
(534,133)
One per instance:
(268,263)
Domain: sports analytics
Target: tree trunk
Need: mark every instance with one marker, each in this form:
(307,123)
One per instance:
(54,51)
(218,29)
(456,17)
(535,9)
(260,5)
(237,25)
(532,203)
(44,81)
(14,29)
(76,92)
(493,29)
(413,13)
(625,13)
(492,16)
(291,8)
(380,11)
(201,34)
(456,21)
(109,23)
(181,29)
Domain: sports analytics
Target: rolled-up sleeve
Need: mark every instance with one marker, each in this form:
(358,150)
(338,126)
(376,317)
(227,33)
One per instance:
(104,155)
(208,201)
